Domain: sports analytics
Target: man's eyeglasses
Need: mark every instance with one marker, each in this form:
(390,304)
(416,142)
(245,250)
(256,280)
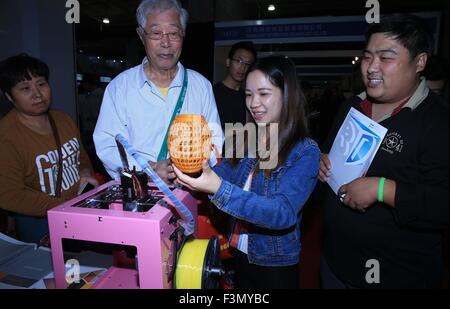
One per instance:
(242,62)
(174,36)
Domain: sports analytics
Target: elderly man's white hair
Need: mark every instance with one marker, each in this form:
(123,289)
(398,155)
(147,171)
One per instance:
(148,7)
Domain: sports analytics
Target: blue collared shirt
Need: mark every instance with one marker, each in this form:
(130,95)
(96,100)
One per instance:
(134,107)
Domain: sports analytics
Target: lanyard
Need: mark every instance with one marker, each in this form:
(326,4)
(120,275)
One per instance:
(163,152)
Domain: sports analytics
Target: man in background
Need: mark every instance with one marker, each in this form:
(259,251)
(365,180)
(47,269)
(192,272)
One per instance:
(230,97)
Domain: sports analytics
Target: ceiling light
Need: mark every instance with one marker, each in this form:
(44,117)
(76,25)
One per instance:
(356,58)
(106,20)
(353,62)
(271,7)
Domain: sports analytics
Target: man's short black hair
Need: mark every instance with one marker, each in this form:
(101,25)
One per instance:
(409,30)
(246,45)
(16,69)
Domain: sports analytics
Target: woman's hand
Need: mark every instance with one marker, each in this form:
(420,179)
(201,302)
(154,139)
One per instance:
(325,167)
(208,181)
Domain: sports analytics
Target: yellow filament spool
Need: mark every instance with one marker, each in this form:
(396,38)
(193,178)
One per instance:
(188,274)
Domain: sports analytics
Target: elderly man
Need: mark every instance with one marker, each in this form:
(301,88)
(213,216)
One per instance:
(385,233)
(141,102)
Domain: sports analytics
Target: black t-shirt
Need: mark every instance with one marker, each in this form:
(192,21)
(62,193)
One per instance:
(230,104)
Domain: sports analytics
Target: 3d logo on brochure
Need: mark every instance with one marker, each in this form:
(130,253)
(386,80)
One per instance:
(354,148)
(358,140)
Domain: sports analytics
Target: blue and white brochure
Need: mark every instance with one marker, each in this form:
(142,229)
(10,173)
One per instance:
(354,148)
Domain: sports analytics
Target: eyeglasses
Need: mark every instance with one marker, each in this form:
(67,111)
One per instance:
(242,62)
(174,36)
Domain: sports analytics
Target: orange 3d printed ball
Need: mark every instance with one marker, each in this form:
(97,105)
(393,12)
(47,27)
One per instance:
(189,142)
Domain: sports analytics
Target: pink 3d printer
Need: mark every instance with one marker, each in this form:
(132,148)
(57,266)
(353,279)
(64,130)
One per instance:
(159,222)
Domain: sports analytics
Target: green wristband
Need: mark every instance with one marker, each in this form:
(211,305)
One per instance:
(381,189)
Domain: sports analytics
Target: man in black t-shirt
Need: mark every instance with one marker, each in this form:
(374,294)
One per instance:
(383,230)
(230,98)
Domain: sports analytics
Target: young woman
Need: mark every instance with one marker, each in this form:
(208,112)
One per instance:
(42,161)
(266,201)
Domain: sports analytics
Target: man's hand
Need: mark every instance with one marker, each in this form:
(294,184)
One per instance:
(325,167)
(360,193)
(164,170)
(208,181)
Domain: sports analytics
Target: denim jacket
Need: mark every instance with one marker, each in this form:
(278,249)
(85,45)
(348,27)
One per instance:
(273,206)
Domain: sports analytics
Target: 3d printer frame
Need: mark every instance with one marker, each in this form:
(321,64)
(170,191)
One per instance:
(98,216)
